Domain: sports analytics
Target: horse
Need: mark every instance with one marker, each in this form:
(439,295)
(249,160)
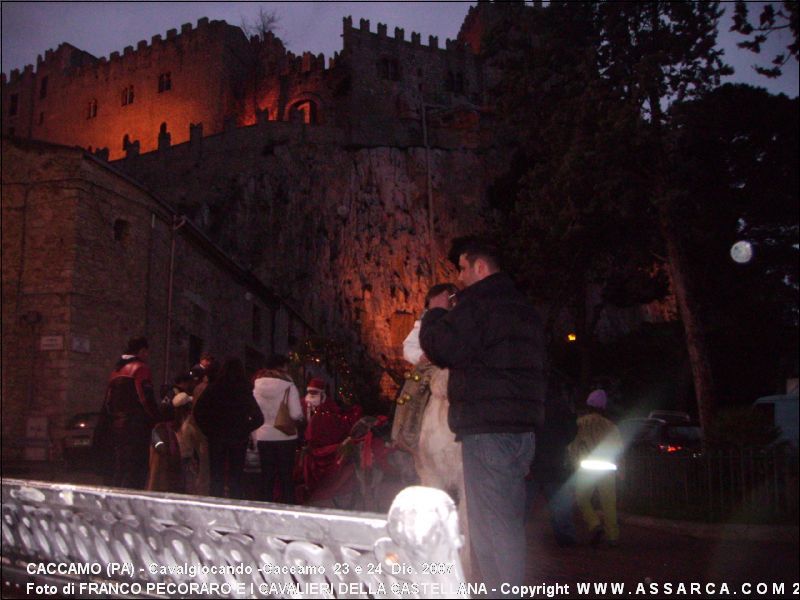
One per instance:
(437,458)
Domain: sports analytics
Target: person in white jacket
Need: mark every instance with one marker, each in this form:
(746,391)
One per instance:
(276,450)
(413,396)
(412,352)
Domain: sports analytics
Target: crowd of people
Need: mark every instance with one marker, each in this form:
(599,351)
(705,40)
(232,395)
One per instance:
(518,432)
(195,438)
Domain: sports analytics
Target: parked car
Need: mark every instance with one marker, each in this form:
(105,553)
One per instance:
(781,411)
(77,442)
(659,435)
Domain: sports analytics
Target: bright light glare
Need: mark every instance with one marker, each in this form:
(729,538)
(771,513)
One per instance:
(598,465)
(571,337)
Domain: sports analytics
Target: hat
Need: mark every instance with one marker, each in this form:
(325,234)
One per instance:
(597,399)
(197,371)
(180,399)
(316,383)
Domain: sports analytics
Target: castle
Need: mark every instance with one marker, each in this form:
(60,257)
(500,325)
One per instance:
(336,187)
(212,74)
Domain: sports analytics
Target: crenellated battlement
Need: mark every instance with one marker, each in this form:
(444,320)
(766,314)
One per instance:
(53,60)
(159,43)
(16,76)
(304,63)
(380,36)
(214,74)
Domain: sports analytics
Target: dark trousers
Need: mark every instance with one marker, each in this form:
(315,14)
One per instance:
(277,461)
(495,465)
(226,457)
(560,503)
(131,451)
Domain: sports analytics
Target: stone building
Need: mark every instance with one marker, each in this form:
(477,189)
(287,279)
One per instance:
(212,74)
(332,182)
(91,259)
(339,185)
(74,98)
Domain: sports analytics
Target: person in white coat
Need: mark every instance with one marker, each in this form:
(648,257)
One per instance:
(277,450)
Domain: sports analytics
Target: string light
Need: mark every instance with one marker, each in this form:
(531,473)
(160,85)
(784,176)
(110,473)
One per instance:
(331,353)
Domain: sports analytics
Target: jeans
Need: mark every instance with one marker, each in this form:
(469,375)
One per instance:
(277,461)
(495,465)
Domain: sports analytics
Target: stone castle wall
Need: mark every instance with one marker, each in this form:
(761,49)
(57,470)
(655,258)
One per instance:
(202,79)
(395,75)
(314,176)
(337,224)
(217,76)
(86,261)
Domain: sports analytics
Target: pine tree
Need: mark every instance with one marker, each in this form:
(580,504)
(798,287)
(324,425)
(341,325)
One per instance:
(597,80)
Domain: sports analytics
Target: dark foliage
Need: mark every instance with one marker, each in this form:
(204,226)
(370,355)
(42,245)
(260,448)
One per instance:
(774,17)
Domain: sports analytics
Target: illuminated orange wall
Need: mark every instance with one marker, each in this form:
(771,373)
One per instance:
(203,79)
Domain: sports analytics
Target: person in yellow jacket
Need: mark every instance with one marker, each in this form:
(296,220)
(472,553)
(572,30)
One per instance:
(594,452)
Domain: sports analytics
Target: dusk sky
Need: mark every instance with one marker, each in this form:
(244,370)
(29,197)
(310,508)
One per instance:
(30,28)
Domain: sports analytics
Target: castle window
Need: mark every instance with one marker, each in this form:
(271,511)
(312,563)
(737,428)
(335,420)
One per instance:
(127,95)
(43,88)
(91,110)
(122,229)
(455,82)
(389,69)
(13,103)
(304,111)
(164,82)
(126,142)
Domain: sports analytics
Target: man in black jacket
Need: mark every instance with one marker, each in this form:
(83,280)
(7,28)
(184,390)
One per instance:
(493,344)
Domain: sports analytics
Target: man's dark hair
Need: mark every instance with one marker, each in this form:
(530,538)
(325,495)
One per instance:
(276,361)
(475,247)
(232,372)
(136,344)
(438,289)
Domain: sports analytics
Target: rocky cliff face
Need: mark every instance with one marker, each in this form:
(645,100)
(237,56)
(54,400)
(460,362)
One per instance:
(339,229)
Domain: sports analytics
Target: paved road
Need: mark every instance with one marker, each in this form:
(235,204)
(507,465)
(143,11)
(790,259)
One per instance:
(648,556)
(646,560)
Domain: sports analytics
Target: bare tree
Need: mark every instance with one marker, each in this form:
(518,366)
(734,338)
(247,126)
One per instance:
(260,60)
(259,26)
